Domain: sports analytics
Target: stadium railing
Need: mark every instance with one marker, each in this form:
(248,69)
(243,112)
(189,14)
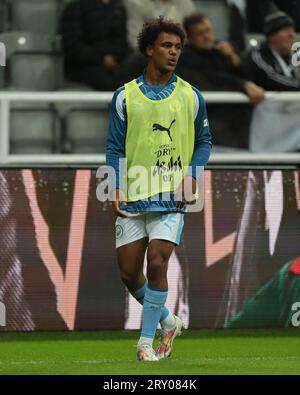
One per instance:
(241,157)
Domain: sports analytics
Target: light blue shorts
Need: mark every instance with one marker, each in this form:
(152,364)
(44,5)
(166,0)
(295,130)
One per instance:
(151,225)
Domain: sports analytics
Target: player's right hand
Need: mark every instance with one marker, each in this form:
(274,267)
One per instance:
(118,198)
(186,191)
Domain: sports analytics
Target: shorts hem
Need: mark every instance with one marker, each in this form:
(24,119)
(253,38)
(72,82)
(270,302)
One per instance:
(121,244)
(165,239)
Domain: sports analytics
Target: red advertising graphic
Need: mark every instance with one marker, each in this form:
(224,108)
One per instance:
(236,264)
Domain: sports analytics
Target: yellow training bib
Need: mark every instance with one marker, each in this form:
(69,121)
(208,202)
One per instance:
(159,140)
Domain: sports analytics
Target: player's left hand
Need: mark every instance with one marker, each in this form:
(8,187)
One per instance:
(185,193)
(118,198)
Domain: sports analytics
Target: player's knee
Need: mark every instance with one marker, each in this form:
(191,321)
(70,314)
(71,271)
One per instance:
(156,265)
(126,278)
(129,279)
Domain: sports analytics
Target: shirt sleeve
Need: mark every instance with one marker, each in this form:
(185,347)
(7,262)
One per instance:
(115,144)
(203,144)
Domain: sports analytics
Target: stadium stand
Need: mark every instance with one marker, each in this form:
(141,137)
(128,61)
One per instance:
(34,129)
(29,29)
(253,40)
(35,16)
(1,78)
(85,129)
(33,62)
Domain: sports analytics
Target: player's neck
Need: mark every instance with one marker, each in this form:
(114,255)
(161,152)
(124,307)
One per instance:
(154,76)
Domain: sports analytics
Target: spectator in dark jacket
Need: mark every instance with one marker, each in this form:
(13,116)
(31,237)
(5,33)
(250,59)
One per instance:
(211,65)
(215,66)
(275,125)
(270,65)
(94,42)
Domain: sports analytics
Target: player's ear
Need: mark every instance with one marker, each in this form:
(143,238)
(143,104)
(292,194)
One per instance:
(149,50)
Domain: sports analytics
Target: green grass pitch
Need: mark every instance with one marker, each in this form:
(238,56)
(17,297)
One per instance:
(113,352)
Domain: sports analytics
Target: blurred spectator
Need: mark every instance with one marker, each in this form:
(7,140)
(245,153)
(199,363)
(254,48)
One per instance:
(269,65)
(133,65)
(215,66)
(237,24)
(211,65)
(140,11)
(94,42)
(275,125)
(247,16)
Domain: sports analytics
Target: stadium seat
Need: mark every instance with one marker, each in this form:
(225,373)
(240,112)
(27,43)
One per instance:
(63,108)
(36,16)
(85,129)
(34,129)
(35,72)
(34,61)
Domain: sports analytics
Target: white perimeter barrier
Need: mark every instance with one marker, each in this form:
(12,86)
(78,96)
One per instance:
(243,158)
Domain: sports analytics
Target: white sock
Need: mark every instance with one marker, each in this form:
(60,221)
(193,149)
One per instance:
(145,341)
(168,323)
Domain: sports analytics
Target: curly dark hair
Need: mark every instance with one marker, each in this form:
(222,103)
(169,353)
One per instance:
(151,30)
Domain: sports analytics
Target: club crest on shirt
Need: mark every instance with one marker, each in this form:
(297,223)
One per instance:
(175,106)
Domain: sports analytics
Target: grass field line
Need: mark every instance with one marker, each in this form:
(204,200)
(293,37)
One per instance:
(101,361)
